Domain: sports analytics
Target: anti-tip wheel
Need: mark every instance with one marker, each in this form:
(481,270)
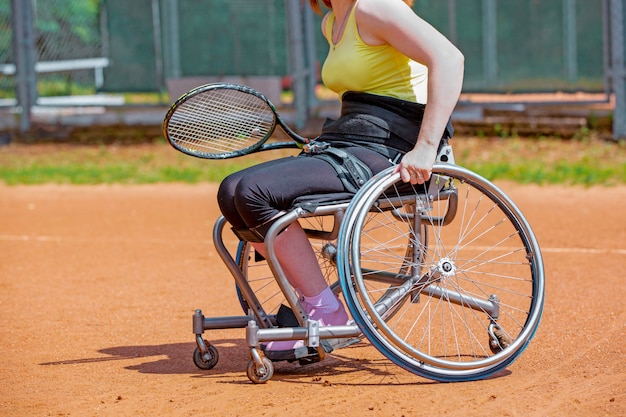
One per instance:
(208,360)
(260,374)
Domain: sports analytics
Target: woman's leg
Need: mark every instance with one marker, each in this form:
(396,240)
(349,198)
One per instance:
(300,265)
(228,189)
(261,197)
(298,260)
(258,195)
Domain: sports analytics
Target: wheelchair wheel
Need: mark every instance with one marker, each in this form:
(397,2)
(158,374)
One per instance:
(472,298)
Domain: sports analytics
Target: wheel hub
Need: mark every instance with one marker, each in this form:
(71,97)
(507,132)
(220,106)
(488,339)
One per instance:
(329,252)
(446,268)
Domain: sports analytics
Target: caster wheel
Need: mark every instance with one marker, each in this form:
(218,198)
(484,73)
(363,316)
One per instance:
(207,361)
(501,341)
(260,374)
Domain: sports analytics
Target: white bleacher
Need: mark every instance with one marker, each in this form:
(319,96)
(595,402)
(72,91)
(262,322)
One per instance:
(96,64)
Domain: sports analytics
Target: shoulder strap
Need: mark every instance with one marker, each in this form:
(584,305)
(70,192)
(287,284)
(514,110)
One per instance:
(328,28)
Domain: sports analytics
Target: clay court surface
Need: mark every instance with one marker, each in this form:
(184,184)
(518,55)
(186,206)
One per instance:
(98,285)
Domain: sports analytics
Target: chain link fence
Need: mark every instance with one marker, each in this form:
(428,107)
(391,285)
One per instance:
(7,82)
(62,31)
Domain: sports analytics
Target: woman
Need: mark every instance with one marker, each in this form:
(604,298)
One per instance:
(385,62)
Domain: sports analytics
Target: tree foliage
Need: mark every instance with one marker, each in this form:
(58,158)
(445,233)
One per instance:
(64,29)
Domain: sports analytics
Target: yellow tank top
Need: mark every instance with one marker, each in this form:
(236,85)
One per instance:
(353,65)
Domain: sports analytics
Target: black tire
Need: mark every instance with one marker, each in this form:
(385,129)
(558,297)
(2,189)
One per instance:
(206,362)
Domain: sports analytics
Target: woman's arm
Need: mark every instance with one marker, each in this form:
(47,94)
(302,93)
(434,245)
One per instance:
(393,22)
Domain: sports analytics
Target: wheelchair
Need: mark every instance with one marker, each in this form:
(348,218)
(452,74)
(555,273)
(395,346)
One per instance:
(445,279)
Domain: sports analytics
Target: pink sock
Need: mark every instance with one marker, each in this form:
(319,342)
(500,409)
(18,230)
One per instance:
(326,308)
(325,301)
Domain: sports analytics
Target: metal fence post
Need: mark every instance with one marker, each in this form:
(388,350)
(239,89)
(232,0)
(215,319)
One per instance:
(295,39)
(171,48)
(618,68)
(490,43)
(24,50)
(452,22)
(570,49)
(158,47)
(311,61)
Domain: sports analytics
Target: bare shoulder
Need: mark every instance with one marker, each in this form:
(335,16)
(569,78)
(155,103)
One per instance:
(376,18)
(383,12)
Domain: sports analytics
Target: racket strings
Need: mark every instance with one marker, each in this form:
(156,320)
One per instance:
(221,121)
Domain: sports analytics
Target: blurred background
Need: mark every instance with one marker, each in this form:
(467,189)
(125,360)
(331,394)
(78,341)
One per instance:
(558,63)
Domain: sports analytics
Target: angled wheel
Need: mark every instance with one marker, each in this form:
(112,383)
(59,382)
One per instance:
(469,304)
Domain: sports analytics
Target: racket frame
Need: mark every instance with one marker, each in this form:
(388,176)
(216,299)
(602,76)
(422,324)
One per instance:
(261,145)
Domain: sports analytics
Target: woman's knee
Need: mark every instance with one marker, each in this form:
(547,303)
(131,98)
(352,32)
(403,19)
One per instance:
(255,200)
(226,200)
(244,200)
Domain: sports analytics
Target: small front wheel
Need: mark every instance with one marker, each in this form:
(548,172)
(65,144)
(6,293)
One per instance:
(260,374)
(498,340)
(208,360)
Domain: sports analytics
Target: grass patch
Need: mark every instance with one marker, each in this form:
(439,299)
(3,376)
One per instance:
(108,164)
(539,161)
(545,161)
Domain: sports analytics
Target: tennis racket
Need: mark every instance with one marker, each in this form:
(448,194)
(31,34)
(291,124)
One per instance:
(222,120)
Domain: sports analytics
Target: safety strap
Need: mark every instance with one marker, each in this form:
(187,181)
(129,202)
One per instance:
(352,172)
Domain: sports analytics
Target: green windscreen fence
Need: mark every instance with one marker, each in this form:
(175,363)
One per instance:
(509,45)
(130,33)
(232,37)
(522,45)
(193,38)
(513,45)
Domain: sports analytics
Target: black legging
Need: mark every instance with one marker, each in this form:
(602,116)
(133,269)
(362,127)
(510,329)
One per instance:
(254,196)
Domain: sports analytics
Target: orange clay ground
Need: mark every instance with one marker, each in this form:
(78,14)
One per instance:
(98,285)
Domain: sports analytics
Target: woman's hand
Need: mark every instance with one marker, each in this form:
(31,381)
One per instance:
(417,165)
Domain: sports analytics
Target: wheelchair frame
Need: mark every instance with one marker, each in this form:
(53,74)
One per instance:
(419,281)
